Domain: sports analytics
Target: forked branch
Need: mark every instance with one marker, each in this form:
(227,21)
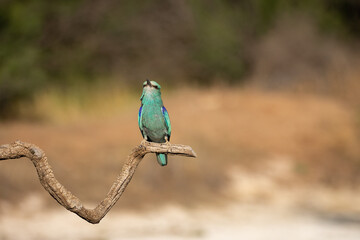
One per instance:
(64,197)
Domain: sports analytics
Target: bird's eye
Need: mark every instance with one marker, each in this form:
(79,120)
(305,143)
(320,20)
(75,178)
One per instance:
(156,87)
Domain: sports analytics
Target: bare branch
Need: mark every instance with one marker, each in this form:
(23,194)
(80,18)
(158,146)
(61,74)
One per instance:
(64,197)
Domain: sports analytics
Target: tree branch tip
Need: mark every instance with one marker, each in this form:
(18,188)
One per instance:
(5,146)
(170,148)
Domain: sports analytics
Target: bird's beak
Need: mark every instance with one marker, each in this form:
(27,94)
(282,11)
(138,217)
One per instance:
(148,83)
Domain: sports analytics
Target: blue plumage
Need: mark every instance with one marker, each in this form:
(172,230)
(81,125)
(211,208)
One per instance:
(140,110)
(167,121)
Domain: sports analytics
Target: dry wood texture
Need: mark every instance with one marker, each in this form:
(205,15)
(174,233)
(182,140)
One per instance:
(64,197)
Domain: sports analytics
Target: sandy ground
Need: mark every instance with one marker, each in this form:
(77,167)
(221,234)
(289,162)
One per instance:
(297,213)
(235,221)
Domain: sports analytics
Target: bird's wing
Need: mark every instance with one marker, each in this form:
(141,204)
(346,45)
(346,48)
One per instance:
(140,120)
(167,120)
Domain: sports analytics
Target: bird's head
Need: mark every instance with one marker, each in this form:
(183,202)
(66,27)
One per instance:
(151,88)
(151,85)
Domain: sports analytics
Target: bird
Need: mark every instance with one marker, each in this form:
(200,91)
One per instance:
(153,118)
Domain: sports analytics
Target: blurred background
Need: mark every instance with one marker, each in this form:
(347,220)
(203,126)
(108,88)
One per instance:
(267,92)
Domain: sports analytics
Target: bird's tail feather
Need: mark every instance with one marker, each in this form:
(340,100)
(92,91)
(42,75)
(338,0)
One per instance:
(162,159)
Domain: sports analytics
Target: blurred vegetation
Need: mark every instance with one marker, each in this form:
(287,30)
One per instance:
(65,43)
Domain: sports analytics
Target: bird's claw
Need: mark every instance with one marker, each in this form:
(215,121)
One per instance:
(167,141)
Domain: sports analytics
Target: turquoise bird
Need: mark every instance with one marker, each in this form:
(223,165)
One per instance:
(154,121)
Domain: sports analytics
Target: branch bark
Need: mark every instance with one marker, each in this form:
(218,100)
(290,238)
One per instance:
(64,197)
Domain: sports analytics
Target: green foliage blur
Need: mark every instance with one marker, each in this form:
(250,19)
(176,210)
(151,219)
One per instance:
(64,43)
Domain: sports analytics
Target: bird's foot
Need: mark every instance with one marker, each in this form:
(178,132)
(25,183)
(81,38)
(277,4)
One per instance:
(167,141)
(143,142)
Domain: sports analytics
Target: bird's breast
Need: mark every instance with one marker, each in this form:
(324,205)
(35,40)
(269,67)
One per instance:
(154,123)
